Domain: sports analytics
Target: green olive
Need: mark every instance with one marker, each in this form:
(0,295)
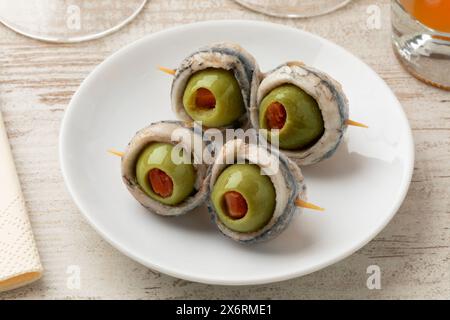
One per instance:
(161,177)
(257,193)
(213,96)
(295,113)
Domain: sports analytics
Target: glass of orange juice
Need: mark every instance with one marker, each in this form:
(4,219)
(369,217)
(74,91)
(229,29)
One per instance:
(421,39)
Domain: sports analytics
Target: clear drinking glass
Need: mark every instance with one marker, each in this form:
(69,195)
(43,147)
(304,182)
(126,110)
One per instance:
(421,39)
(68,20)
(293,8)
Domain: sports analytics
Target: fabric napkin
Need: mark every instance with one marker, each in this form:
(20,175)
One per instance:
(19,258)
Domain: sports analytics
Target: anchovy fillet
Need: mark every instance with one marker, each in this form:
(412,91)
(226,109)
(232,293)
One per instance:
(163,132)
(330,98)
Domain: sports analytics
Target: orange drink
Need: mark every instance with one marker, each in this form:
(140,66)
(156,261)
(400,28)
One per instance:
(432,13)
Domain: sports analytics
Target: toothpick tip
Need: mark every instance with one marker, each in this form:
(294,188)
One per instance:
(167,70)
(355,124)
(303,204)
(116,153)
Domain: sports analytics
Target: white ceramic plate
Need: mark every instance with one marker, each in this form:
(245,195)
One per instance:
(361,187)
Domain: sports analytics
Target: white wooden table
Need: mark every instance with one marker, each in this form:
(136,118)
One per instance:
(38,79)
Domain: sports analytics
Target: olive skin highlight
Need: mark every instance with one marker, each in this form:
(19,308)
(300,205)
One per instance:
(257,190)
(300,121)
(180,178)
(213,97)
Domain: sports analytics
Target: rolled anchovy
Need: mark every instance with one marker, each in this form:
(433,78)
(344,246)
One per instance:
(162,132)
(287,181)
(330,98)
(227,56)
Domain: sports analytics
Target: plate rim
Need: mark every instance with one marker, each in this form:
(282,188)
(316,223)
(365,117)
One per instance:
(404,186)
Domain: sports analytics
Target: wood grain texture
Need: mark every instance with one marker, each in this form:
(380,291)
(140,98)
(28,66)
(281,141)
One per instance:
(38,79)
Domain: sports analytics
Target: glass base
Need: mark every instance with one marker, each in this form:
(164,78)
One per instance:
(68,20)
(293,8)
(426,68)
(424,52)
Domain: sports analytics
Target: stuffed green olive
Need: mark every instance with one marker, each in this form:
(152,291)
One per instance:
(213,97)
(161,178)
(243,198)
(295,114)
(216,86)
